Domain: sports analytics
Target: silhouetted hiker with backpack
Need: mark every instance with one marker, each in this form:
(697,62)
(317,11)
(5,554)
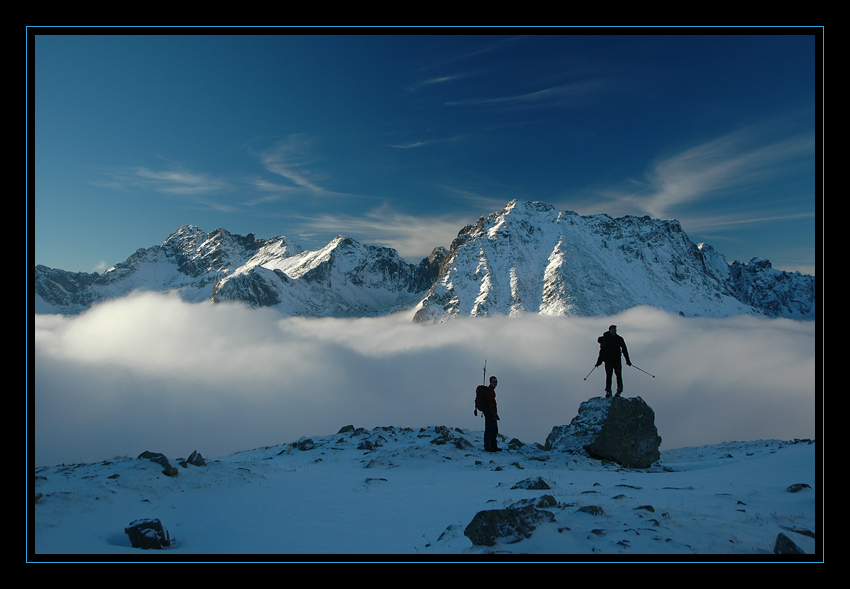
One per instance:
(611,346)
(485,402)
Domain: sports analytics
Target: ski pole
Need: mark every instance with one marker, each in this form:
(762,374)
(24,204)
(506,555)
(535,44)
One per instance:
(644,371)
(591,372)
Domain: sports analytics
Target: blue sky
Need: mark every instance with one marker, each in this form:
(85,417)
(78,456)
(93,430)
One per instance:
(401,140)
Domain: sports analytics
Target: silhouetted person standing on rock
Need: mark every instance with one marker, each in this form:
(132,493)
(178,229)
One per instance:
(611,346)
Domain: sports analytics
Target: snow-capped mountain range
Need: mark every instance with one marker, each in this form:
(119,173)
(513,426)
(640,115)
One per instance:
(528,257)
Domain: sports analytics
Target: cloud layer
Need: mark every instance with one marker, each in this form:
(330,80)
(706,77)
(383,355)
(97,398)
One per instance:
(150,372)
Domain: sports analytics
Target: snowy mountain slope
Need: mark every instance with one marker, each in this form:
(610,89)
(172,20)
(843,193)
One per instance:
(189,261)
(343,279)
(528,257)
(412,492)
(531,257)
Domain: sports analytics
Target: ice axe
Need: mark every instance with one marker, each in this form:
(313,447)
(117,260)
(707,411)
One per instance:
(644,371)
(591,371)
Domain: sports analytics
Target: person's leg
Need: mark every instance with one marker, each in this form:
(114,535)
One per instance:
(488,434)
(619,371)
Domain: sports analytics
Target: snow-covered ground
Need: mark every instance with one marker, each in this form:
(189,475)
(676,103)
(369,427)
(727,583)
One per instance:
(412,495)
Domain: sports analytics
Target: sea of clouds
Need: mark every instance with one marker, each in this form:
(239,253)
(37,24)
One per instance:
(150,372)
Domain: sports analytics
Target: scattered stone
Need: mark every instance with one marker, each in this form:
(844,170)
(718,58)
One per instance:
(304,445)
(591,509)
(546,501)
(797,487)
(542,502)
(533,484)
(463,444)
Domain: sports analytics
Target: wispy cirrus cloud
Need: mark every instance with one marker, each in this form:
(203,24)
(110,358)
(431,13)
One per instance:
(426,142)
(736,161)
(568,94)
(434,81)
(173,180)
(290,159)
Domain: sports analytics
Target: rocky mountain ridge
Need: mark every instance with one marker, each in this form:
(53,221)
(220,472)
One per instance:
(528,257)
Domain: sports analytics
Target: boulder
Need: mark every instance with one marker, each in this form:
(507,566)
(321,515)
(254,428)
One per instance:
(784,545)
(162,460)
(304,444)
(617,428)
(148,534)
(195,459)
(508,525)
(536,483)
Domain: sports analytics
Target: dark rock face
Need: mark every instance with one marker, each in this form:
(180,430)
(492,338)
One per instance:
(618,428)
(776,293)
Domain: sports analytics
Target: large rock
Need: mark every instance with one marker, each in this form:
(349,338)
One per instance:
(617,428)
(162,460)
(148,534)
(784,545)
(505,525)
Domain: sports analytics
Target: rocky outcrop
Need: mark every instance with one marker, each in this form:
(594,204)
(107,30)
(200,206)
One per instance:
(617,428)
(775,292)
(162,460)
(195,459)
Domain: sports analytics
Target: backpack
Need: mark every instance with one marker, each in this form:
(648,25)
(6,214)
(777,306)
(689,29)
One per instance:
(480,403)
